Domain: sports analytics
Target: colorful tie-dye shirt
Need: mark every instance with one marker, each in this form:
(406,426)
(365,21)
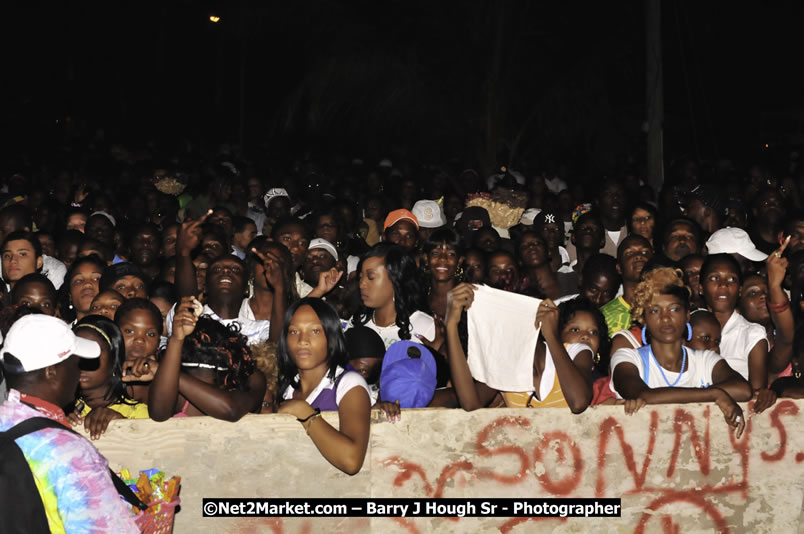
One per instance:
(71,475)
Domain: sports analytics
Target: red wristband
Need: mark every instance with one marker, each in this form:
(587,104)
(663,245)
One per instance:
(778,308)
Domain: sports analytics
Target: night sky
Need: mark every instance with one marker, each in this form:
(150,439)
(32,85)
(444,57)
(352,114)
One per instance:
(475,81)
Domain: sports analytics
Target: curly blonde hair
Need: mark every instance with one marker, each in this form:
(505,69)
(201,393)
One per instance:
(264,355)
(653,284)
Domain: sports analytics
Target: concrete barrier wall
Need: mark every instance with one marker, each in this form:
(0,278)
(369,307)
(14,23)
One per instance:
(676,468)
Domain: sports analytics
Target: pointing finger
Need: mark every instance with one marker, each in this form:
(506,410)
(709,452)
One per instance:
(784,246)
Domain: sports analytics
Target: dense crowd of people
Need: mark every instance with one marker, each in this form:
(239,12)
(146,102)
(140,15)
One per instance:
(223,289)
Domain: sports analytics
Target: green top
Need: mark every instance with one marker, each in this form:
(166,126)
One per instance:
(617,314)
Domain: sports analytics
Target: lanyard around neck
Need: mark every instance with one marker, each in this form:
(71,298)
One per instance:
(661,369)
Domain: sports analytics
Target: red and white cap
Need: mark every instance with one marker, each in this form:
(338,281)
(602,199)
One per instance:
(39,341)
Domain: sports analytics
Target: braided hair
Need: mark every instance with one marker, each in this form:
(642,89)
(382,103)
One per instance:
(223,349)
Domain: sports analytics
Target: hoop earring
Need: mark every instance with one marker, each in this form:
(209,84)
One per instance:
(644,335)
(689,332)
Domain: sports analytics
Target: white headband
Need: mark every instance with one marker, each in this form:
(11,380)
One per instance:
(204,366)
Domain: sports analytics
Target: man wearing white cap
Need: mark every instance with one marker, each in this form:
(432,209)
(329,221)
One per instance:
(277,206)
(735,241)
(41,362)
(430,217)
(321,261)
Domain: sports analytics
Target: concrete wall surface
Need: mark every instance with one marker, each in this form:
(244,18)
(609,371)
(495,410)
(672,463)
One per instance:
(677,468)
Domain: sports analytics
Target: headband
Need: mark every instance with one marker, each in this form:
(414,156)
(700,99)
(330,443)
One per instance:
(98,330)
(204,366)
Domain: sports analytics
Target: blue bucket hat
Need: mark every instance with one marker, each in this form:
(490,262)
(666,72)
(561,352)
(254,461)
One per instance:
(408,375)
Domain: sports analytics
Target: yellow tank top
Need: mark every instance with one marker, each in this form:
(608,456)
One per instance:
(524,399)
(554,399)
(137,410)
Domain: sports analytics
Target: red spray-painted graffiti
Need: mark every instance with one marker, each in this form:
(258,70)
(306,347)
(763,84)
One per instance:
(787,408)
(606,427)
(565,486)
(562,449)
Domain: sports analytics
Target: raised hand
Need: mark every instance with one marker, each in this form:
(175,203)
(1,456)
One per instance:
(547,318)
(460,298)
(81,193)
(185,318)
(327,280)
(140,369)
(777,265)
(190,234)
(273,269)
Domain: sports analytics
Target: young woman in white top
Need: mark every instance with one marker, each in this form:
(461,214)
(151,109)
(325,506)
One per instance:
(393,298)
(311,357)
(743,344)
(666,372)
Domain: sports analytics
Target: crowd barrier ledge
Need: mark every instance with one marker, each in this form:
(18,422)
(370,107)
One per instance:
(676,468)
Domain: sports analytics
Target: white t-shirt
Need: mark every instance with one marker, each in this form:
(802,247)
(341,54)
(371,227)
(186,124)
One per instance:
(566,265)
(351,264)
(615,235)
(247,313)
(257,216)
(738,337)
(565,298)
(54,269)
(256,331)
(700,364)
(350,380)
(420,323)
(302,287)
(549,373)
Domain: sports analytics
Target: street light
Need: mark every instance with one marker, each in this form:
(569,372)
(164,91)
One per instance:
(214,18)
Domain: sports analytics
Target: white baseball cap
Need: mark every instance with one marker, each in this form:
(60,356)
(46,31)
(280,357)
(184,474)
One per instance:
(107,215)
(39,341)
(734,241)
(428,213)
(529,216)
(274,192)
(326,245)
